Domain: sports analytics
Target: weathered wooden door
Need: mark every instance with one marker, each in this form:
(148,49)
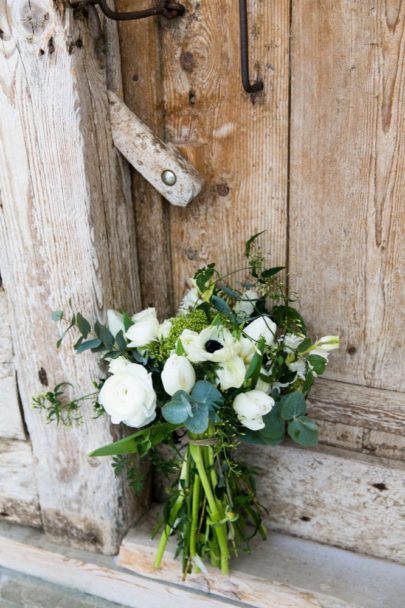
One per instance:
(318,161)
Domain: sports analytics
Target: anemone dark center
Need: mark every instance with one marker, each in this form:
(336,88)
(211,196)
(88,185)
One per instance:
(211,346)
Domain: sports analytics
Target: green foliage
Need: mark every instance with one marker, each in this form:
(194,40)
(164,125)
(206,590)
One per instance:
(253,371)
(134,474)
(57,408)
(293,405)
(140,442)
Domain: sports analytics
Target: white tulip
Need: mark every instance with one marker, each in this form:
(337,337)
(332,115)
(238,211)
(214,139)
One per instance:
(250,408)
(178,374)
(299,367)
(231,373)
(247,349)
(262,327)
(128,396)
(247,304)
(261,385)
(145,328)
(291,342)
(115,322)
(165,329)
(214,343)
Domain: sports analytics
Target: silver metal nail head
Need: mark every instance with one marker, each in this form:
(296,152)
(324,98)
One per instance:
(169,178)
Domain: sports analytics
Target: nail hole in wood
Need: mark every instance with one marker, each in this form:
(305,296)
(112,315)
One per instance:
(380,486)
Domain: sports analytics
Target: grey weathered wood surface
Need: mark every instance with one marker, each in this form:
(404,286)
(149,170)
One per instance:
(333,496)
(347,176)
(18,489)
(67,230)
(11,423)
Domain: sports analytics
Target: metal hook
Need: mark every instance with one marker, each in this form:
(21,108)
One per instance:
(168,9)
(258,85)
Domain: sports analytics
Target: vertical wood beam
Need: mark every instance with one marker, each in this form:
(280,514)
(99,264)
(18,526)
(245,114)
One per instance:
(67,231)
(239,142)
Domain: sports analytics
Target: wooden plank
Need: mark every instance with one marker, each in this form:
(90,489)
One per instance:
(347,217)
(333,496)
(142,79)
(149,155)
(71,235)
(11,424)
(238,142)
(98,576)
(18,493)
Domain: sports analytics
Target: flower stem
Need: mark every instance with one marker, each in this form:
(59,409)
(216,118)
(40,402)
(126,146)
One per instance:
(194,515)
(216,515)
(173,515)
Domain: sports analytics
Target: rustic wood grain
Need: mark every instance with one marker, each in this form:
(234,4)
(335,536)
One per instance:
(150,156)
(335,497)
(347,217)
(240,142)
(138,550)
(67,230)
(142,80)
(18,492)
(371,408)
(11,424)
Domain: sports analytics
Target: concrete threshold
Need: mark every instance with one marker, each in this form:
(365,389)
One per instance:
(282,572)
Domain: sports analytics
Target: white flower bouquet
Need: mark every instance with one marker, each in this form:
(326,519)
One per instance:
(234,365)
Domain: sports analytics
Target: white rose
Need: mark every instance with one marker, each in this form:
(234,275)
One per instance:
(178,374)
(114,322)
(247,304)
(263,327)
(231,373)
(145,328)
(250,408)
(128,396)
(214,343)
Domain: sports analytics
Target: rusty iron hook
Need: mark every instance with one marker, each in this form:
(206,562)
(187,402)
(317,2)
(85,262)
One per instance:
(257,85)
(166,8)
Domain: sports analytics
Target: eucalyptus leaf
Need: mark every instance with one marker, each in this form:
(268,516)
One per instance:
(178,409)
(88,345)
(303,431)
(83,325)
(198,422)
(222,307)
(57,315)
(293,405)
(120,340)
(205,392)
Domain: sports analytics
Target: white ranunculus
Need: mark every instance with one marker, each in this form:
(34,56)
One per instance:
(292,342)
(178,374)
(115,322)
(128,395)
(299,367)
(145,328)
(247,304)
(214,343)
(262,327)
(231,373)
(250,408)
(118,365)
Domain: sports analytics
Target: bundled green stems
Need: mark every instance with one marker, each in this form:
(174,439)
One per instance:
(204,516)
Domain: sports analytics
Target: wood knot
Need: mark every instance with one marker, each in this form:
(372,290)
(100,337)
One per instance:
(187,61)
(32,18)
